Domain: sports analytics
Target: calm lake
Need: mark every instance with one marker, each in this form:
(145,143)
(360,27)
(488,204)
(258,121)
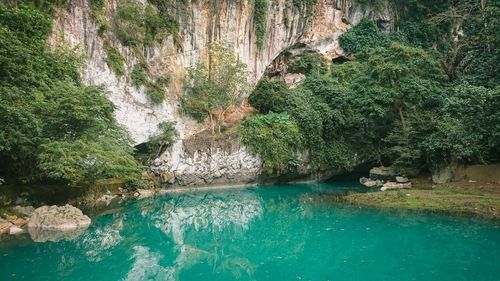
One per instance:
(287,232)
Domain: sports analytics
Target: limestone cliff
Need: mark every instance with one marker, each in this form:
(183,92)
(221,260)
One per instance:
(228,22)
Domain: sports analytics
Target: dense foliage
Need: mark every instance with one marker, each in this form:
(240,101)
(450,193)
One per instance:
(214,86)
(259,21)
(137,24)
(421,97)
(276,138)
(51,126)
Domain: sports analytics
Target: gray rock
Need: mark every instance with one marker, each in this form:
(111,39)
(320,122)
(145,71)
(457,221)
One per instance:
(443,174)
(61,218)
(382,173)
(400,179)
(370,182)
(27,211)
(394,185)
(15,230)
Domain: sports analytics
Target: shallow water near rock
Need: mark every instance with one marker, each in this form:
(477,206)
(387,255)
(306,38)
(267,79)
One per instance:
(290,232)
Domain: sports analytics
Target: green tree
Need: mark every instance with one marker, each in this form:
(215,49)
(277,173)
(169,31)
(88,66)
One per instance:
(269,95)
(276,138)
(51,126)
(214,87)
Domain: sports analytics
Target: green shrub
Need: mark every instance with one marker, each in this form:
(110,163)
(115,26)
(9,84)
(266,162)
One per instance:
(138,74)
(269,95)
(362,36)
(167,137)
(98,5)
(136,24)
(114,59)
(211,89)
(308,63)
(260,21)
(276,138)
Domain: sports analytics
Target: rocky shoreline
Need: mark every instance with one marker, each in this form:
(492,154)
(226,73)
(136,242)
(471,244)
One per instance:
(385,178)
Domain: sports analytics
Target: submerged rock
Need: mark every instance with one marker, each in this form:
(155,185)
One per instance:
(382,173)
(59,218)
(395,185)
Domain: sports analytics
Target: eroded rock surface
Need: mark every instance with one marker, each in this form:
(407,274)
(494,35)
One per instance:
(58,218)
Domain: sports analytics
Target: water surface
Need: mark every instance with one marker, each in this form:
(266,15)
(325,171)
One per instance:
(293,232)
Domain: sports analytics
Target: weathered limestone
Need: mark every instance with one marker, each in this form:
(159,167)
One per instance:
(58,218)
(229,24)
(206,160)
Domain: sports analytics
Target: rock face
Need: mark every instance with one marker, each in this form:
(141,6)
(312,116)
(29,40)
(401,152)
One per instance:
(229,23)
(58,218)
(205,160)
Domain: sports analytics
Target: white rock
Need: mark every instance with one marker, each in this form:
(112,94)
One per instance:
(15,230)
(61,218)
(106,198)
(370,182)
(394,185)
(401,179)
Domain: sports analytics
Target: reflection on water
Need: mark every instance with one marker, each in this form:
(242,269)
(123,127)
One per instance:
(296,232)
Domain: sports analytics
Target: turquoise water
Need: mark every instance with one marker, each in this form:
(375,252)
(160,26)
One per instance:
(294,232)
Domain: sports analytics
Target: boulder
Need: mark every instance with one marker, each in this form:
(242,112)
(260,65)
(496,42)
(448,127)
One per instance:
(443,174)
(382,173)
(27,211)
(60,218)
(400,179)
(395,185)
(15,230)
